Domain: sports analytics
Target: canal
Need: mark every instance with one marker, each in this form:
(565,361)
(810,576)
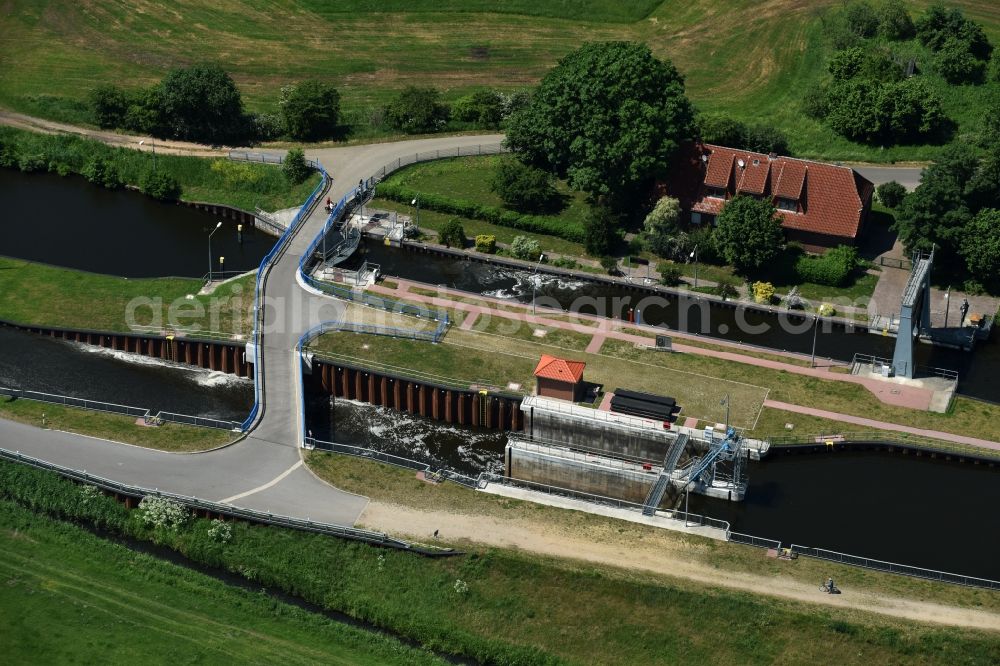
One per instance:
(460,448)
(68,222)
(781,331)
(898,508)
(33,362)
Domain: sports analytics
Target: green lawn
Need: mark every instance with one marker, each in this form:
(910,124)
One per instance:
(519,608)
(72,597)
(168,437)
(499,351)
(32,293)
(753,59)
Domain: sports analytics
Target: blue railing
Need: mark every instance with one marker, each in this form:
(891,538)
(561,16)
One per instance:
(265,266)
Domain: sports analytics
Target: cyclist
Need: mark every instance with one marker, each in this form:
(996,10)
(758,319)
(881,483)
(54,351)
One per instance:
(829,585)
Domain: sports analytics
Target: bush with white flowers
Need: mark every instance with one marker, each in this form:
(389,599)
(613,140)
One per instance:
(162,512)
(220,531)
(461,587)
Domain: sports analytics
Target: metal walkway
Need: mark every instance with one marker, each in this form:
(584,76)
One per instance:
(659,487)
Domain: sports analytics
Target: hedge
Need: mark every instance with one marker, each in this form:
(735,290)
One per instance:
(832,269)
(491,214)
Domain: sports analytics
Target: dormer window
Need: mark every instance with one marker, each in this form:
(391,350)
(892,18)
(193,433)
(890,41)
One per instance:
(716,193)
(788,204)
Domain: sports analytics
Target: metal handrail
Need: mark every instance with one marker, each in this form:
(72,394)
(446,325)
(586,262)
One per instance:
(113,408)
(197,504)
(895,437)
(892,567)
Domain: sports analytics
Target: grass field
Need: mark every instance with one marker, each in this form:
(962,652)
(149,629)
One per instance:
(168,437)
(32,293)
(499,350)
(518,608)
(71,597)
(753,59)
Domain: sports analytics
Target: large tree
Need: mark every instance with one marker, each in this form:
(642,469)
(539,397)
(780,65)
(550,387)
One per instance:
(981,246)
(936,213)
(201,103)
(749,233)
(311,111)
(609,118)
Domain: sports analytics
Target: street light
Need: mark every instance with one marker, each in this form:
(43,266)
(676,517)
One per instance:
(947,305)
(152,145)
(534,283)
(812,362)
(725,401)
(210,249)
(694,255)
(416,202)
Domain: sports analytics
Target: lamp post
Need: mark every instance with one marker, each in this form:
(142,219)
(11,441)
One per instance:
(694,255)
(210,250)
(947,305)
(812,362)
(725,401)
(152,145)
(534,284)
(416,202)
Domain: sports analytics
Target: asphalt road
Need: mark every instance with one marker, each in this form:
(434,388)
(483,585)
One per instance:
(908,177)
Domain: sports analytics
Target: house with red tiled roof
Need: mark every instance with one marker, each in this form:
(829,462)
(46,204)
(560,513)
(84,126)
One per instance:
(821,205)
(559,378)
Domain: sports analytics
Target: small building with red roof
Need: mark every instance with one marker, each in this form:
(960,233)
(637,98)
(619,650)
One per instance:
(821,205)
(559,378)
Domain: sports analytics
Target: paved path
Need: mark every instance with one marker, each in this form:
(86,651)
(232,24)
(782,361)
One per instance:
(881,425)
(900,395)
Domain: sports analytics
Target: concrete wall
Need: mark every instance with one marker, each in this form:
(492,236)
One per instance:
(582,476)
(613,438)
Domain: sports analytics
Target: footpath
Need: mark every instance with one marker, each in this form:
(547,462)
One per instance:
(601,329)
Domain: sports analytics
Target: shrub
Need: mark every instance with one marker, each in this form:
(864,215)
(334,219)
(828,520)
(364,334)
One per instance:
(832,269)
(310,110)
(417,110)
(826,310)
(452,234)
(891,194)
(939,24)
(265,126)
(894,22)
(726,290)
(220,531)
(524,188)
(599,230)
(866,63)
(862,18)
(104,172)
(670,274)
(160,185)
(109,104)
(294,166)
(725,131)
(609,264)
(525,248)
(763,292)
(32,163)
(160,512)
(486,243)
(662,226)
(565,262)
(749,233)
(486,108)
(955,62)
